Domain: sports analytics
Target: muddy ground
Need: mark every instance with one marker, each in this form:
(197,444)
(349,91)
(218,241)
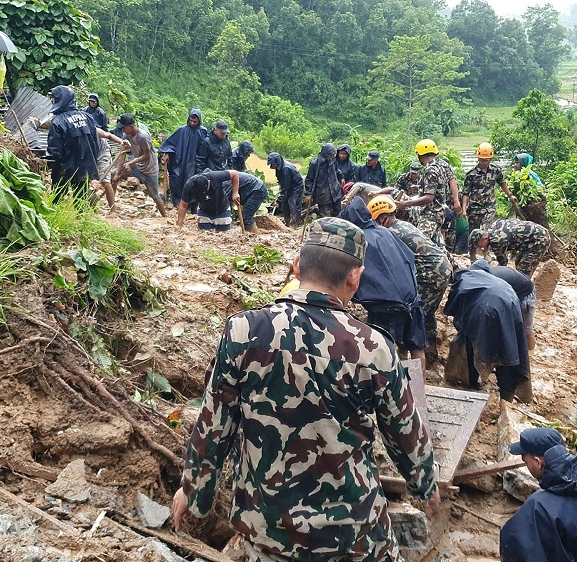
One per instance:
(56,408)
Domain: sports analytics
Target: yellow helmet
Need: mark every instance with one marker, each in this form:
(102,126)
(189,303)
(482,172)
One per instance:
(290,286)
(485,150)
(426,146)
(381,204)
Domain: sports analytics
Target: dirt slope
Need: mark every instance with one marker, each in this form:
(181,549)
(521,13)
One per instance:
(54,410)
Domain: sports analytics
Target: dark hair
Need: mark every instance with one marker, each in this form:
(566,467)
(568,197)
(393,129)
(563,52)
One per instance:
(326,265)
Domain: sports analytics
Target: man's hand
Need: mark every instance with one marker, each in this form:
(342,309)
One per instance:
(127,168)
(457,208)
(513,198)
(179,507)
(236,198)
(401,204)
(307,199)
(125,143)
(432,507)
(276,205)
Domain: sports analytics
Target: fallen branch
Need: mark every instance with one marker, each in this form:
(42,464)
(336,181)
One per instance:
(24,343)
(475,514)
(33,470)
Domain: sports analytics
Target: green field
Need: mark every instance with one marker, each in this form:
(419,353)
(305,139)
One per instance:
(568,75)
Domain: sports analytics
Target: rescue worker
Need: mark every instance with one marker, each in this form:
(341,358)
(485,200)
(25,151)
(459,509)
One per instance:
(72,144)
(409,181)
(534,209)
(98,114)
(290,197)
(529,241)
(214,151)
(239,155)
(144,165)
(297,381)
(179,152)
(324,182)
(252,192)
(372,171)
(344,163)
(433,268)
(437,179)
(388,287)
(544,528)
(490,332)
(365,190)
(212,191)
(479,201)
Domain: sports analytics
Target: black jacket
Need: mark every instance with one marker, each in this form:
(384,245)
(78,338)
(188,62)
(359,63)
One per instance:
(98,114)
(213,153)
(375,176)
(347,167)
(182,147)
(323,179)
(288,177)
(239,155)
(72,140)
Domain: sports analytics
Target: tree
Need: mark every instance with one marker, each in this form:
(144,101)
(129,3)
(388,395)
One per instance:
(415,74)
(547,39)
(55,42)
(542,131)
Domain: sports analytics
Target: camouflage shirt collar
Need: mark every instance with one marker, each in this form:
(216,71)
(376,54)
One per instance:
(314,298)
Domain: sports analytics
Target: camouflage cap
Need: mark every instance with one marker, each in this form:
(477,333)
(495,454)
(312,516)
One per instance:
(337,234)
(474,237)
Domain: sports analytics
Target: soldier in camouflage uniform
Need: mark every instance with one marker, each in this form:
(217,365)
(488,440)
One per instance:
(437,179)
(479,201)
(300,380)
(433,266)
(409,181)
(529,241)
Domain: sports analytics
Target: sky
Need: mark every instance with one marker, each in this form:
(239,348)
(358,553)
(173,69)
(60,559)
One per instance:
(512,8)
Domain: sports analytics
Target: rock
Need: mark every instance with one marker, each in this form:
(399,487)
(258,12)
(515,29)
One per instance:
(33,554)
(410,526)
(158,551)
(546,279)
(152,514)
(71,484)
(519,483)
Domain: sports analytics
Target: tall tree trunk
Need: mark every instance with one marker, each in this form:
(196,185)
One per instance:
(156,27)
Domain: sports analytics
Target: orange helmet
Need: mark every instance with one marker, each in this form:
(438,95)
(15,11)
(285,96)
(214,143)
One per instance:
(381,204)
(485,150)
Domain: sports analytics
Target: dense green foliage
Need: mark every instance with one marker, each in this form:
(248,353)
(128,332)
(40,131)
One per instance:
(509,56)
(54,39)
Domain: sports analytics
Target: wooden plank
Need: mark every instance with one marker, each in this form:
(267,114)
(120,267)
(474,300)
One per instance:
(417,384)
(64,527)
(472,473)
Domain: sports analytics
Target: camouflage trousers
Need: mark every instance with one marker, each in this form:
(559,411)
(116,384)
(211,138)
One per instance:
(431,226)
(527,259)
(481,218)
(431,290)
(380,554)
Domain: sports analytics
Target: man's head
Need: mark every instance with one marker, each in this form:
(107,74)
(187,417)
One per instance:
(522,160)
(373,158)
(200,184)
(382,209)
(331,257)
(194,118)
(274,160)
(485,154)
(245,148)
(221,129)
(533,444)
(426,150)
(93,100)
(328,151)
(127,123)
(344,152)
(62,98)
(478,239)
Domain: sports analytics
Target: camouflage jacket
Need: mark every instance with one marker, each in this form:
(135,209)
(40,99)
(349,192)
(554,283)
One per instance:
(506,235)
(479,187)
(431,262)
(435,181)
(406,184)
(300,379)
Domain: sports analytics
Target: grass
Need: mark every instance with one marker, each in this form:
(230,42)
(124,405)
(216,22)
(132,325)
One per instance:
(212,256)
(11,271)
(79,224)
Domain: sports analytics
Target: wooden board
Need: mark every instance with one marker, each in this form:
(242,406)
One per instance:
(453,416)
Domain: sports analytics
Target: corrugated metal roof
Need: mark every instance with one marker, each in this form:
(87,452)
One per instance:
(26,104)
